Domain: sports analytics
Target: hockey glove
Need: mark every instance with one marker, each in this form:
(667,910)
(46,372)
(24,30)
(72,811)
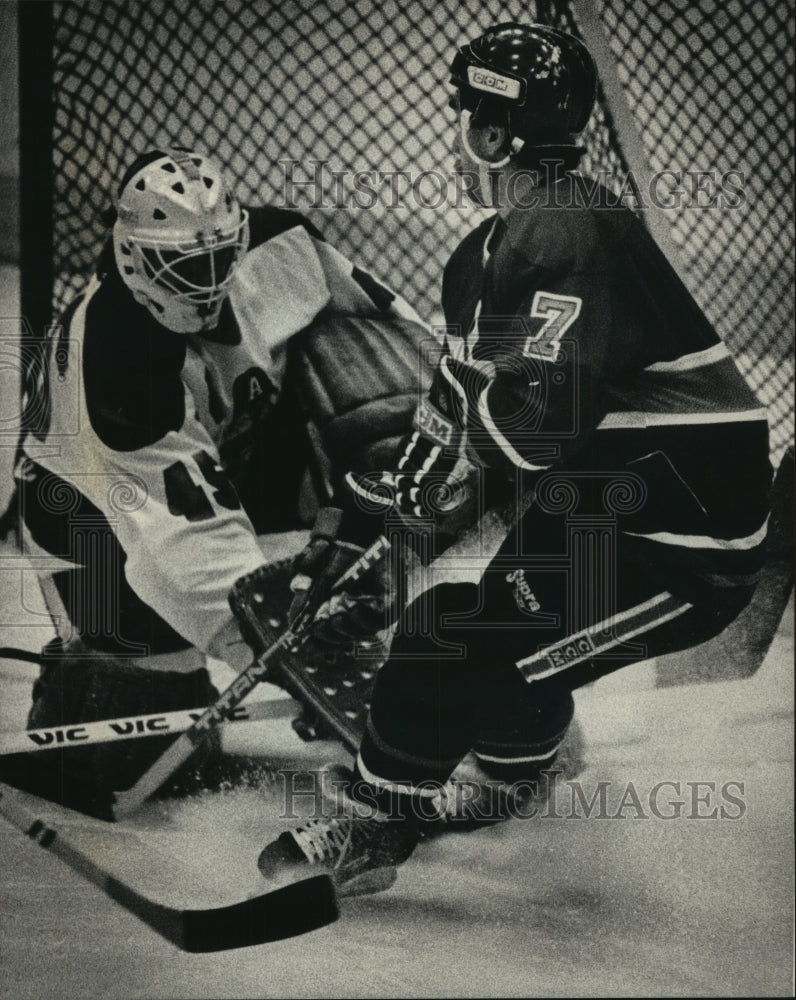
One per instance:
(434,486)
(356,613)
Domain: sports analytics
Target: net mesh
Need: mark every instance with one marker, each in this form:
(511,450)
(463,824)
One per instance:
(710,83)
(339,110)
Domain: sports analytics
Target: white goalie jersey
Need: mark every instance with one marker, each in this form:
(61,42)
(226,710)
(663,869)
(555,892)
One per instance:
(166,437)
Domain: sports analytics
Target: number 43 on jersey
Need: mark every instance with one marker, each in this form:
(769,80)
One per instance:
(189,499)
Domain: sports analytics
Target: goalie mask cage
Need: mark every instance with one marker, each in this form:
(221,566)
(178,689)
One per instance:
(294,97)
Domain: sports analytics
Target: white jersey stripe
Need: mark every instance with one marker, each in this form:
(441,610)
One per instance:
(474,333)
(640,419)
(689,361)
(705,541)
(451,379)
(502,442)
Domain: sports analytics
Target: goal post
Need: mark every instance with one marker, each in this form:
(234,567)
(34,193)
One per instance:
(37,192)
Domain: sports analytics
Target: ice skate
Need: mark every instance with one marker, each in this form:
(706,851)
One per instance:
(360,847)
(474,797)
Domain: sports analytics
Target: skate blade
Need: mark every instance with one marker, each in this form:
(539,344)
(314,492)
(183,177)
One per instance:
(368,883)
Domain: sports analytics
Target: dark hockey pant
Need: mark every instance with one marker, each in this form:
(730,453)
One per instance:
(560,605)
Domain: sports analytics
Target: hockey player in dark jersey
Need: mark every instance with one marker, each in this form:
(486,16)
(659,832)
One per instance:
(175,437)
(576,365)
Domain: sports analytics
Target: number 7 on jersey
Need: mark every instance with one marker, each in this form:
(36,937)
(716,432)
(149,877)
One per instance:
(559,312)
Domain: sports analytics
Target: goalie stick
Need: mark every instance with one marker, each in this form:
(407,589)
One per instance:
(180,751)
(135,727)
(282,913)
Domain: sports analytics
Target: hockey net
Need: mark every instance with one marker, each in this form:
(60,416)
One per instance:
(297,100)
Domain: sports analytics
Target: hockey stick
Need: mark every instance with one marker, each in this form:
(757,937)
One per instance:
(23,655)
(182,748)
(282,913)
(135,727)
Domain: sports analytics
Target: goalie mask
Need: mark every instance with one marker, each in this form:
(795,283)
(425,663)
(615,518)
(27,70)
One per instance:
(178,237)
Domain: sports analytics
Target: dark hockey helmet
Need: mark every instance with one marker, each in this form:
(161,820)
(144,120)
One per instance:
(541,81)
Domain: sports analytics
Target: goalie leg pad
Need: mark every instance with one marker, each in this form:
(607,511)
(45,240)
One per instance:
(77,684)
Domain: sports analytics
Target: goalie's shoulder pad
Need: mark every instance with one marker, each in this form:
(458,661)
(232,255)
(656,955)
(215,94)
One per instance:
(266,222)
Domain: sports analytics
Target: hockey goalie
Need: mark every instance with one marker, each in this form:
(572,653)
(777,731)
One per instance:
(218,356)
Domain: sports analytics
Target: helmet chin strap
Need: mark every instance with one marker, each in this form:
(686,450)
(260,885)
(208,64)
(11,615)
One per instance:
(485,189)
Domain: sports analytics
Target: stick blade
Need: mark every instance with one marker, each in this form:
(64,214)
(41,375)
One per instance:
(282,913)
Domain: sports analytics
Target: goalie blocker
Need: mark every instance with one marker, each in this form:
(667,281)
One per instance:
(332,683)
